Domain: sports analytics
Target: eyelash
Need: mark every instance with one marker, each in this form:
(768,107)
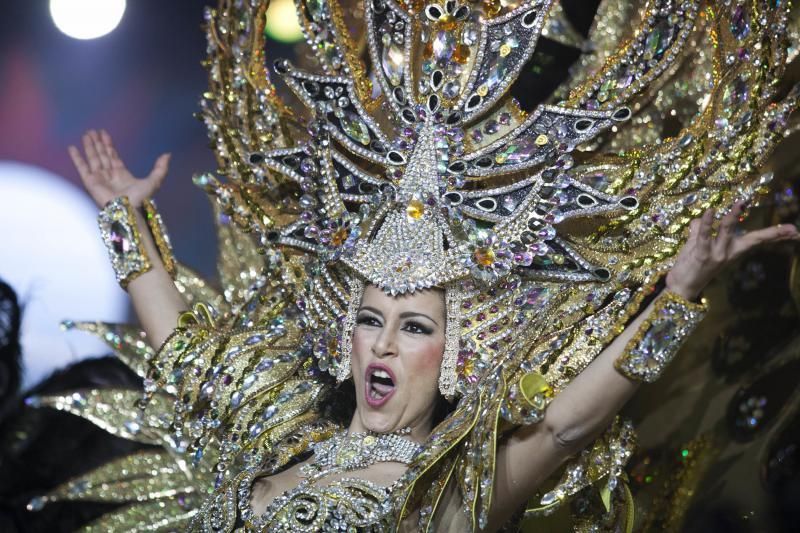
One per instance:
(368,320)
(420,328)
(411,326)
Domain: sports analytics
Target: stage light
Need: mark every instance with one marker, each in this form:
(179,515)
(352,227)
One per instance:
(52,256)
(282,24)
(86,19)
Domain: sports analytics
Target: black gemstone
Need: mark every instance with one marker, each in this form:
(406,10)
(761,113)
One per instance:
(484,162)
(473,102)
(311,87)
(603,274)
(457,167)
(453,118)
(623,113)
(433,103)
(454,198)
(396,158)
(433,12)
(399,95)
(461,13)
(487,204)
(436,78)
(529,18)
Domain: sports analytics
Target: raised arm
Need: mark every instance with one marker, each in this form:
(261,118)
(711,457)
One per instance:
(580,412)
(155,299)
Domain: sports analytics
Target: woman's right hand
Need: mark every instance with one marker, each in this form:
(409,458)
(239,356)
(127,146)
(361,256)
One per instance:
(105,176)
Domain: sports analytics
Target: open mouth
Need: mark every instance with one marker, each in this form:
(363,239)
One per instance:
(380,385)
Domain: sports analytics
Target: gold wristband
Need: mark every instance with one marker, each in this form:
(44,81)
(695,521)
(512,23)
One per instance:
(117,221)
(660,336)
(160,236)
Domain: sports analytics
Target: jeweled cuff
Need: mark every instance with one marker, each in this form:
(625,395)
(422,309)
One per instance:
(117,221)
(160,236)
(660,336)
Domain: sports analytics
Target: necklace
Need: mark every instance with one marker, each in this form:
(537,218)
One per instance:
(345,452)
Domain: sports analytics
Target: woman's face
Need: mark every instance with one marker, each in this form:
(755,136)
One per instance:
(398,345)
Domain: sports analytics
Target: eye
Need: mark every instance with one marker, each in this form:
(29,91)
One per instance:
(417,328)
(367,320)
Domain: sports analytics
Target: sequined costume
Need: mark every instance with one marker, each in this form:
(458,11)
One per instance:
(406,162)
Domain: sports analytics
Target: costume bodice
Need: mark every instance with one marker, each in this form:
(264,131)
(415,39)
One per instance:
(347,504)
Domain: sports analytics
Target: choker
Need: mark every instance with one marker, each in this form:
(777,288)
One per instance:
(345,452)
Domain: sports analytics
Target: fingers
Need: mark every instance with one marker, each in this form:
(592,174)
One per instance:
(702,241)
(781,232)
(159,171)
(105,138)
(694,229)
(725,234)
(91,152)
(80,164)
(704,229)
(100,148)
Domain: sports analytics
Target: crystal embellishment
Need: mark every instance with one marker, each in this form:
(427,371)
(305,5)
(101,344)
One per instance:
(659,337)
(118,229)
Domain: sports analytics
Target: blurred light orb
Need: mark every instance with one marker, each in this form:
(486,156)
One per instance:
(86,19)
(282,23)
(52,256)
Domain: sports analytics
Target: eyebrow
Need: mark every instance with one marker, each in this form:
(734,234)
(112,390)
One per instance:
(405,314)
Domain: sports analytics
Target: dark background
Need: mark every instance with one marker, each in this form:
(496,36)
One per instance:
(141,82)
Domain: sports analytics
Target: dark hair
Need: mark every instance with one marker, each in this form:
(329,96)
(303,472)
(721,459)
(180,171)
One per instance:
(10,353)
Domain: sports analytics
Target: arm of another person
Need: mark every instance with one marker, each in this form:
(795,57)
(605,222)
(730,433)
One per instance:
(156,300)
(585,408)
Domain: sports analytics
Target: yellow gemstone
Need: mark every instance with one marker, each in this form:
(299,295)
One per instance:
(492,8)
(446,22)
(339,237)
(415,209)
(558,259)
(369,440)
(500,159)
(542,139)
(505,50)
(484,257)
(483,90)
(461,54)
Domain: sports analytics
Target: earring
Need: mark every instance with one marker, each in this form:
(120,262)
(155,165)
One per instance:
(448,374)
(348,327)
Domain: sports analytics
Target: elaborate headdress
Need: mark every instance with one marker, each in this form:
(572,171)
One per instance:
(420,169)
(416,166)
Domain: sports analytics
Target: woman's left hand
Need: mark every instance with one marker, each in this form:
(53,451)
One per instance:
(704,255)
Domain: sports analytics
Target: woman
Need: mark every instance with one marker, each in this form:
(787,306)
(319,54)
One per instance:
(424,231)
(398,344)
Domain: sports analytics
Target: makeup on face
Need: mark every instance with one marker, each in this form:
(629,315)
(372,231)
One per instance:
(379,381)
(397,351)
